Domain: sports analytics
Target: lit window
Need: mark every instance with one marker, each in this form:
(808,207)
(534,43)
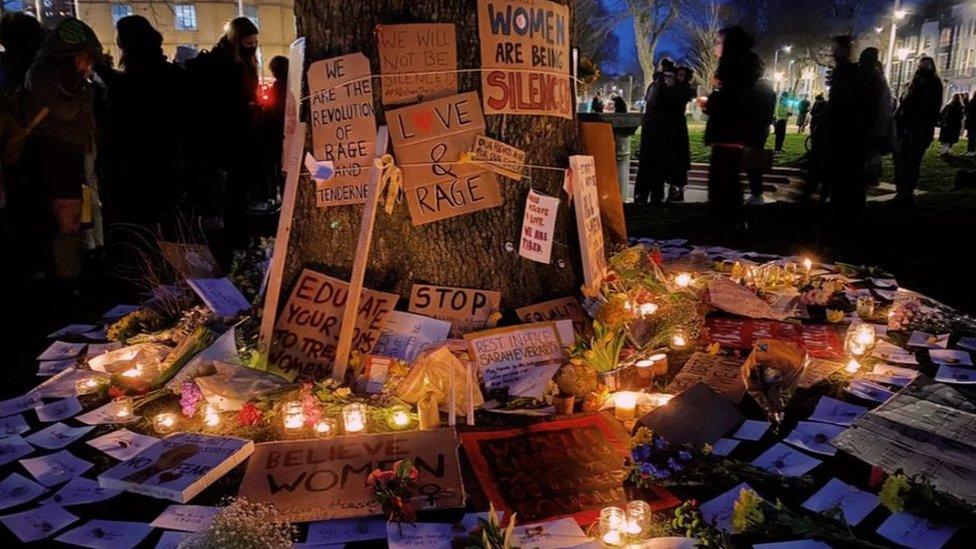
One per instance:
(185,17)
(251,12)
(119,11)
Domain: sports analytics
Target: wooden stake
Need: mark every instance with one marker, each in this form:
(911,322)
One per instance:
(349,313)
(277,267)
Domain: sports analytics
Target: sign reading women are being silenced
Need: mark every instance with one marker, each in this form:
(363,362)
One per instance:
(525,54)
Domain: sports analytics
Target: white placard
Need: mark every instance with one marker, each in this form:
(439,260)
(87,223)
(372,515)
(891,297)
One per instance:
(220,295)
(538,227)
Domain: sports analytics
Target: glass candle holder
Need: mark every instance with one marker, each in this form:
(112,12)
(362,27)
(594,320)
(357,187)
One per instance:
(325,427)
(612,527)
(638,520)
(211,417)
(354,418)
(852,366)
(399,417)
(293,416)
(624,405)
(165,423)
(679,339)
(645,370)
(122,408)
(86,386)
(646,309)
(865,307)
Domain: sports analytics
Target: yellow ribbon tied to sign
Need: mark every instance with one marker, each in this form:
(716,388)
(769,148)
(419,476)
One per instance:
(391,178)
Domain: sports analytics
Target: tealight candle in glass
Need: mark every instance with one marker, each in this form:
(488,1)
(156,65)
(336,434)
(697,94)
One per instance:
(122,407)
(638,520)
(399,417)
(165,423)
(683,280)
(679,339)
(293,416)
(325,427)
(354,418)
(624,405)
(865,307)
(211,417)
(852,366)
(86,386)
(647,309)
(612,527)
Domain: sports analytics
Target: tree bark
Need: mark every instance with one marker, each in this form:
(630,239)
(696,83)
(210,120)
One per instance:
(478,250)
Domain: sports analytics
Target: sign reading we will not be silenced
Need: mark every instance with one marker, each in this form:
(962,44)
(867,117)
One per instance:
(343,127)
(530,37)
(307,332)
(417,48)
(467,309)
(431,136)
(322,479)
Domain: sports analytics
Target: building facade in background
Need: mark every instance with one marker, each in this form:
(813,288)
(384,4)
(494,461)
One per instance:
(946,32)
(187,27)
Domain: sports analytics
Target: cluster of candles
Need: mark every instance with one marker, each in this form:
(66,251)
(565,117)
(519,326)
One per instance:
(354,419)
(625,403)
(620,527)
(860,340)
(643,310)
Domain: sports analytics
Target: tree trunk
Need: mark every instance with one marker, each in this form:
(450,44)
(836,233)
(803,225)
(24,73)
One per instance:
(477,250)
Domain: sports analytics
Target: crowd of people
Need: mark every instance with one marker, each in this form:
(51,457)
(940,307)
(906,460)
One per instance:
(852,129)
(148,141)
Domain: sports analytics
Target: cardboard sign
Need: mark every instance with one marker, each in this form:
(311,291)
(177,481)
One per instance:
(501,158)
(720,373)
(819,340)
(599,142)
(588,222)
(468,310)
(343,126)
(307,331)
(531,37)
(572,467)
(427,139)
(323,479)
(422,47)
(293,97)
(507,356)
(190,260)
(564,308)
(538,226)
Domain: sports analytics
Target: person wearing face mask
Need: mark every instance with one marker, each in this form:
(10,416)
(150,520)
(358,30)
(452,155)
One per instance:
(62,97)
(224,84)
(915,122)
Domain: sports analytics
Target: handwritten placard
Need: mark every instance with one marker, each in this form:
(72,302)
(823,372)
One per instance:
(468,310)
(588,224)
(190,260)
(501,158)
(417,48)
(343,126)
(564,308)
(220,295)
(507,355)
(323,479)
(538,225)
(428,140)
(530,38)
(307,331)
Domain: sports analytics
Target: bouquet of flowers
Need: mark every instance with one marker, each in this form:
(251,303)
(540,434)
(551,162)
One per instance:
(243,524)
(392,489)
(824,292)
(602,351)
(653,459)
(490,534)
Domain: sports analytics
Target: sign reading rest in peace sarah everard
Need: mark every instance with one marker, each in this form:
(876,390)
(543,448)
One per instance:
(526,57)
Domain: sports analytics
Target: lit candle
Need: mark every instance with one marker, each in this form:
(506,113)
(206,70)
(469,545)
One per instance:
(807,265)
(293,415)
(354,418)
(123,407)
(647,309)
(683,280)
(131,372)
(86,386)
(678,339)
(858,349)
(852,366)
(645,369)
(613,522)
(399,417)
(864,334)
(638,520)
(165,423)
(625,403)
(211,418)
(325,427)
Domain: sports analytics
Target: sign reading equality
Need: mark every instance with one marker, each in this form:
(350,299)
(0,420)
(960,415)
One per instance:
(324,479)
(525,55)
(343,126)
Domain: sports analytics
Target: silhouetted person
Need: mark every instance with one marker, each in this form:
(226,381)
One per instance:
(21,36)
(59,82)
(915,121)
(665,155)
(597,104)
(850,129)
(739,111)
(951,124)
(880,112)
(141,176)
(619,105)
(782,116)
(802,115)
(224,85)
(272,128)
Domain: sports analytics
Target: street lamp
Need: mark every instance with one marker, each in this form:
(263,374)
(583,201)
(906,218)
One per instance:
(897,15)
(787,49)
